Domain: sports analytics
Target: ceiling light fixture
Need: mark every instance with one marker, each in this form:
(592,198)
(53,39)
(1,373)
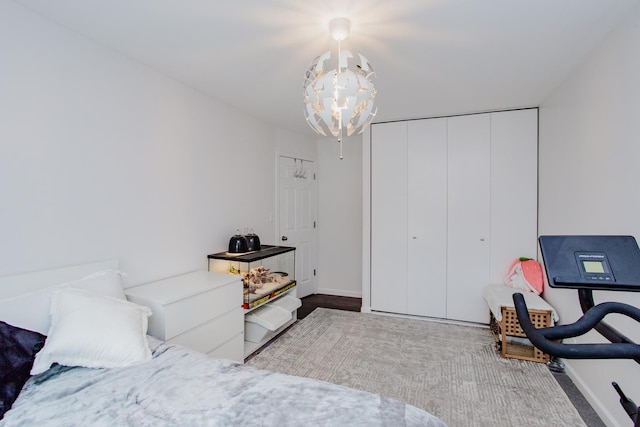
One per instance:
(339,94)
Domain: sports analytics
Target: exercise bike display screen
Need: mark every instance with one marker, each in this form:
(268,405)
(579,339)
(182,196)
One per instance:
(592,262)
(593,266)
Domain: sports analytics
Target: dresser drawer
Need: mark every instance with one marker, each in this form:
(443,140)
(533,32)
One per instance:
(212,334)
(232,349)
(190,302)
(188,313)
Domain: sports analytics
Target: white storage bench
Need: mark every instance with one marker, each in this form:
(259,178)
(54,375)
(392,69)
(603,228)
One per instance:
(504,322)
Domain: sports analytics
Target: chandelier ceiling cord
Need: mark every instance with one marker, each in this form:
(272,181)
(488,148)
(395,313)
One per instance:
(338,91)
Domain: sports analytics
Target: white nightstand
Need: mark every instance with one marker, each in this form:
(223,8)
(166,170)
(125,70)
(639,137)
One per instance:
(201,310)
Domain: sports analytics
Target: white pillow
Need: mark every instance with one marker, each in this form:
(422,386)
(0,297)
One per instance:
(93,331)
(107,282)
(31,311)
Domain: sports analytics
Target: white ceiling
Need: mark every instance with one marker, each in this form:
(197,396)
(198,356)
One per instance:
(432,57)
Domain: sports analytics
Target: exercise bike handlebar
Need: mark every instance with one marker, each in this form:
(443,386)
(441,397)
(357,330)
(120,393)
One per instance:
(544,338)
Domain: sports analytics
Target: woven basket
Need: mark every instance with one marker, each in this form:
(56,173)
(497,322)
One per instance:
(509,328)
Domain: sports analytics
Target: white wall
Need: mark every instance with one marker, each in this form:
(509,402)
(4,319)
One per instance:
(293,145)
(340,217)
(101,157)
(589,175)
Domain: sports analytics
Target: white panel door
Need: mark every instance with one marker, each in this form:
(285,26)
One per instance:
(389,217)
(427,217)
(297,218)
(468,250)
(514,188)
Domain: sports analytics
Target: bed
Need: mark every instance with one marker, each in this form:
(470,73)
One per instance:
(75,352)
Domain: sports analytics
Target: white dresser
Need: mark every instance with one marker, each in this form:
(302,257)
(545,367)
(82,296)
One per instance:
(201,310)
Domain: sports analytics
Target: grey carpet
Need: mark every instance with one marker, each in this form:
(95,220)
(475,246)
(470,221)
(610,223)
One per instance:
(449,370)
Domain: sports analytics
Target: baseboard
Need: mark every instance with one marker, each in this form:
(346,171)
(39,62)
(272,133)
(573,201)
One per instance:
(339,293)
(595,403)
(428,319)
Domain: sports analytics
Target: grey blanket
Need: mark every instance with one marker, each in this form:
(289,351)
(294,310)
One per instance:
(180,387)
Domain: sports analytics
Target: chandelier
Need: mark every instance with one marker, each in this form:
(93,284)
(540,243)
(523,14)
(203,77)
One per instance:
(338,91)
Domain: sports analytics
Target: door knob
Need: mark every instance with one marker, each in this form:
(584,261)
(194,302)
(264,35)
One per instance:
(284,238)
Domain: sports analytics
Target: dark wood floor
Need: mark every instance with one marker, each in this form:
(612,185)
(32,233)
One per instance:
(311,302)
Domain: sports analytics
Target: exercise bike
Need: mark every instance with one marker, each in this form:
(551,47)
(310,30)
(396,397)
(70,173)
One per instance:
(589,263)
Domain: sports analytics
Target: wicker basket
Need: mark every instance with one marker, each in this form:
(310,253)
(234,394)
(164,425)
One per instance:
(509,327)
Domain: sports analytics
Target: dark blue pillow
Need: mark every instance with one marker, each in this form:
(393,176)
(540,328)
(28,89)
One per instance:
(18,348)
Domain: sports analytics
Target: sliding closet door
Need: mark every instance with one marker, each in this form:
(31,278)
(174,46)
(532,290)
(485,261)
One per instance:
(389,217)
(469,195)
(453,203)
(427,217)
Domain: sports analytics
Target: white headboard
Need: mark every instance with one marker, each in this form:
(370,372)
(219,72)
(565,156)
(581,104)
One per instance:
(29,282)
